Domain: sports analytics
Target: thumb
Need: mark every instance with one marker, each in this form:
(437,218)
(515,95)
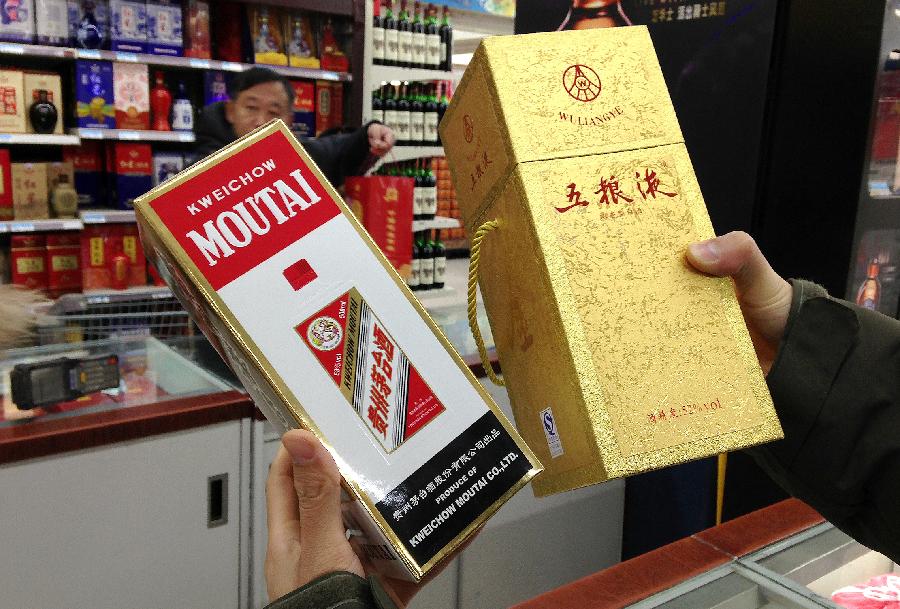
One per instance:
(736,255)
(318,485)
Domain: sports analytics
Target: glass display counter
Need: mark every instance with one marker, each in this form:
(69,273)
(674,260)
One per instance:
(150,372)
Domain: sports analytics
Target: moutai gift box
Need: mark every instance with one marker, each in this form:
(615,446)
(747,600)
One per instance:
(618,356)
(325,335)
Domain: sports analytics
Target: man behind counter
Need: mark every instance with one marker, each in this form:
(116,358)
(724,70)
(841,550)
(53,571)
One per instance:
(259,95)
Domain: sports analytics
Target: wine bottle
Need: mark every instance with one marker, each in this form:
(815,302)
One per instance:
(389,105)
(440,260)
(426,256)
(418,37)
(869,295)
(593,14)
(431,117)
(391,43)
(377,35)
(404,37)
(432,40)
(446,35)
(377,108)
(430,192)
(416,267)
(419,192)
(403,116)
(416,116)
(442,105)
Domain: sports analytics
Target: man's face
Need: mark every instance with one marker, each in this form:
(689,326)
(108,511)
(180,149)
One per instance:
(258,105)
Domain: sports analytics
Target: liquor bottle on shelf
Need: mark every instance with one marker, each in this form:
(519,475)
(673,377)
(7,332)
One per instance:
(377,107)
(404,37)
(430,192)
(91,25)
(391,42)
(182,111)
(431,117)
(377,35)
(869,295)
(43,114)
(442,105)
(432,40)
(416,116)
(64,198)
(415,267)
(446,35)
(440,260)
(418,37)
(419,191)
(426,256)
(160,104)
(403,116)
(389,106)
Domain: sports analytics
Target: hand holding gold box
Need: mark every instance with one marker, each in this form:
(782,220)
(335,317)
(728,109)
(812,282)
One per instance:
(619,358)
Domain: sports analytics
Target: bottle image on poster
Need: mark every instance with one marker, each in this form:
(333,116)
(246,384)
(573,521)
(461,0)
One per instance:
(876,283)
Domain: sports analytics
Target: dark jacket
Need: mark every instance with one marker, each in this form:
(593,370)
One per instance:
(836,386)
(338,156)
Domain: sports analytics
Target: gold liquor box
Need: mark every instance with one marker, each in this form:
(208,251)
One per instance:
(323,333)
(618,356)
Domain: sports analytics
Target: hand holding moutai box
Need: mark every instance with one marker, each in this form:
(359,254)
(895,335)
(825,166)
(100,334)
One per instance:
(573,178)
(324,334)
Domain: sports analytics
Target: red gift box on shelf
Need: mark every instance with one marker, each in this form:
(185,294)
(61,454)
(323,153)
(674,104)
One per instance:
(63,263)
(28,257)
(386,206)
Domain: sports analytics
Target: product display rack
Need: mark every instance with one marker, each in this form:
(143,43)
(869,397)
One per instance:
(408,153)
(34,50)
(107,216)
(36,226)
(436,223)
(38,139)
(133,135)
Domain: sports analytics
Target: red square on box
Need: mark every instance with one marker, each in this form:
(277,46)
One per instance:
(387,213)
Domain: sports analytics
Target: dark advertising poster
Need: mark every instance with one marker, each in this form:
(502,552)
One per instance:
(715,58)
(876,283)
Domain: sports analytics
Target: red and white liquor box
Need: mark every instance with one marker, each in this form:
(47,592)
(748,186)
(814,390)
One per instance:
(325,335)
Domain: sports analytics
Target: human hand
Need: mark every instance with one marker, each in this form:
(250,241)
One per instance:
(765,297)
(381,139)
(307,538)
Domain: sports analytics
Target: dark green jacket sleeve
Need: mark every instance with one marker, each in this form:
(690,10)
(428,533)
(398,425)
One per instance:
(836,386)
(338,590)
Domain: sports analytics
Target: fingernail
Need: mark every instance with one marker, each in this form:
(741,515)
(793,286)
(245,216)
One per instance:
(302,451)
(705,251)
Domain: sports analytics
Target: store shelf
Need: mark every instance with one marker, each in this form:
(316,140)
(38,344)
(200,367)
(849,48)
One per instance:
(36,50)
(37,226)
(39,139)
(408,153)
(107,216)
(389,73)
(131,135)
(437,223)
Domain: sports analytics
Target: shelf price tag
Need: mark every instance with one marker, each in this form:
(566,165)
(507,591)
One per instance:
(186,136)
(12,49)
(129,135)
(231,66)
(122,56)
(22,227)
(203,64)
(89,54)
(91,134)
(6,137)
